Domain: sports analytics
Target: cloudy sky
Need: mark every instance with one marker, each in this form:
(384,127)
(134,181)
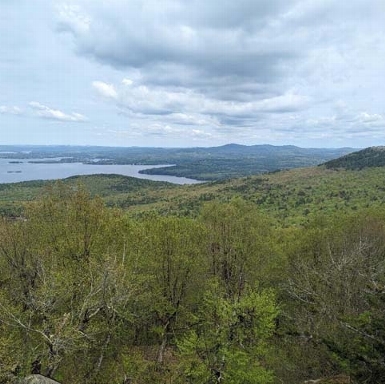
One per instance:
(177,73)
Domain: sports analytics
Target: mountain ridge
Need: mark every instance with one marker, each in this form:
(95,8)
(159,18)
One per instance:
(213,163)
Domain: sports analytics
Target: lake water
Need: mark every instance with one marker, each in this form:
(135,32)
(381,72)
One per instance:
(25,171)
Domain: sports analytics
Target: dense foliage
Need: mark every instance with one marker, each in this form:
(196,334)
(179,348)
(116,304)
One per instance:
(368,157)
(92,295)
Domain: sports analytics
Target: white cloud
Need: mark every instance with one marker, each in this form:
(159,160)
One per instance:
(188,106)
(105,90)
(160,130)
(192,119)
(198,133)
(11,110)
(366,117)
(127,82)
(43,111)
(72,18)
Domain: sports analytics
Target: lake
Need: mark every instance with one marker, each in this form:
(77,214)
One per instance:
(16,170)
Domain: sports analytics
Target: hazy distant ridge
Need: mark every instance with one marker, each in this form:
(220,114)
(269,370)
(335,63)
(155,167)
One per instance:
(212,163)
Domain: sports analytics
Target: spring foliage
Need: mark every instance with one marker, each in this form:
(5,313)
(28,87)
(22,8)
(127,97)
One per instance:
(90,295)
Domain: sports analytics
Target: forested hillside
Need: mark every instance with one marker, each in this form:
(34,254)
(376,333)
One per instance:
(368,157)
(275,278)
(292,196)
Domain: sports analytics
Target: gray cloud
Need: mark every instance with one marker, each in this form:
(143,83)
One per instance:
(226,58)
(279,71)
(250,39)
(214,39)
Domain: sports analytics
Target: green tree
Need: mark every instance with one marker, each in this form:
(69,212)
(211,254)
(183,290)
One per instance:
(171,266)
(240,246)
(336,281)
(228,341)
(66,285)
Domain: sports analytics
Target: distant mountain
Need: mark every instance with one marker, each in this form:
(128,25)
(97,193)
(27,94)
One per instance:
(368,157)
(234,160)
(212,163)
(267,149)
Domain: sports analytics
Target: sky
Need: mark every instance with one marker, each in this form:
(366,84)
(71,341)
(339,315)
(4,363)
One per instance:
(187,73)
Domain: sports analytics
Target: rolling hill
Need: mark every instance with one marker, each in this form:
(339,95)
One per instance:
(291,196)
(368,157)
